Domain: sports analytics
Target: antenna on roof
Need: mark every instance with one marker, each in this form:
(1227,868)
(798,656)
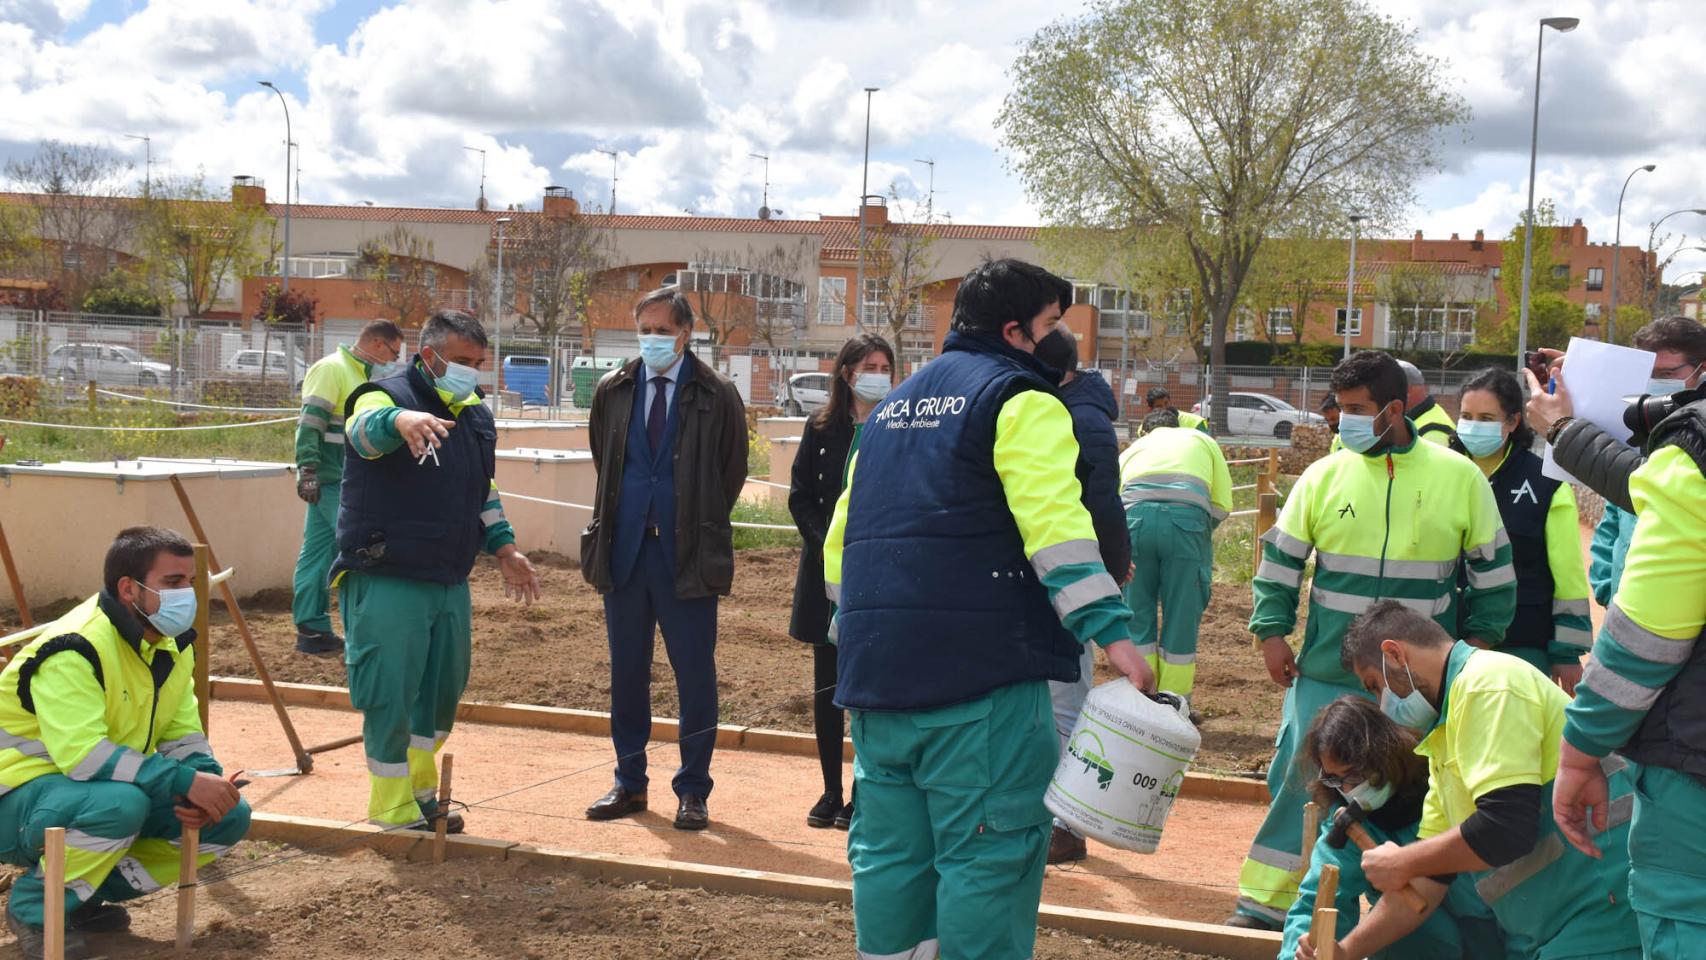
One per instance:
(764,210)
(481,203)
(930,198)
(612,155)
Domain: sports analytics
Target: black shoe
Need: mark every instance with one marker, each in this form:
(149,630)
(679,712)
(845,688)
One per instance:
(618,803)
(30,940)
(317,644)
(844,818)
(691,815)
(1244,921)
(822,815)
(453,823)
(98,917)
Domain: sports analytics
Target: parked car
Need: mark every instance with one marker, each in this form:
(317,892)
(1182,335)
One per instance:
(247,363)
(805,394)
(1259,415)
(105,363)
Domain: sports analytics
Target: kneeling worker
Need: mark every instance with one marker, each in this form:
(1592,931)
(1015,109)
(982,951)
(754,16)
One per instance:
(102,736)
(1490,726)
(967,574)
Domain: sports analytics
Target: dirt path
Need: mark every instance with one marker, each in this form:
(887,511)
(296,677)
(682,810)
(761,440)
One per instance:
(757,810)
(364,905)
(555,654)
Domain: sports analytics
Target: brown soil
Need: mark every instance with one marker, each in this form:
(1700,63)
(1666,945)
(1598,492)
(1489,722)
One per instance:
(362,904)
(555,653)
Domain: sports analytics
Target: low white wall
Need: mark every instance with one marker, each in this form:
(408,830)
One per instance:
(565,475)
(542,435)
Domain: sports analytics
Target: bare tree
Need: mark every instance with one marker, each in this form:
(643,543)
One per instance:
(196,242)
(402,274)
(79,212)
(556,259)
(900,260)
(1413,292)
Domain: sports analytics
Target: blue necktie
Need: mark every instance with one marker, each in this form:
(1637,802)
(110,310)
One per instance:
(659,412)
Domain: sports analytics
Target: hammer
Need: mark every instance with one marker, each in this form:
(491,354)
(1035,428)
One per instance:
(1347,825)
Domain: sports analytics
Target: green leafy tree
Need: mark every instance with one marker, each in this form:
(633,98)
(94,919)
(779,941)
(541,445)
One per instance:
(1292,273)
(1552,318)
(122,293)
(196,242)
(1227,122)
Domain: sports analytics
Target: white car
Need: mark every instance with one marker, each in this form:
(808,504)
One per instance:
(806,394)
(105,363)
(1259,415)
(247,363)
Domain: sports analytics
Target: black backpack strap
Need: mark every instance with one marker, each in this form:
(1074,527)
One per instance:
(73,642)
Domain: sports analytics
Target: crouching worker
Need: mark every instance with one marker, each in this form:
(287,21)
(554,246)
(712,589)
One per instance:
(1490,726)
(1354,753)
(100,734)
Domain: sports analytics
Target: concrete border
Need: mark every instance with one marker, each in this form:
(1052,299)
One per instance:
(1198,786)
(416,846)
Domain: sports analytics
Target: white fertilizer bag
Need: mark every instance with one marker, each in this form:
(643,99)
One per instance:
(1123,765)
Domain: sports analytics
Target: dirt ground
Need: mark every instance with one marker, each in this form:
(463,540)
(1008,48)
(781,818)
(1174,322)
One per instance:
(555,654)
(316,907)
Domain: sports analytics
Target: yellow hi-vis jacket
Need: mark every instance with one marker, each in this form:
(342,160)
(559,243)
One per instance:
(92,699)
(1180,465)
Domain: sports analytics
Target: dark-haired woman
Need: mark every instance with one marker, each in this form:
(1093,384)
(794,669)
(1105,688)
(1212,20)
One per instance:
(863,376)
(1353,752)
(1552,628)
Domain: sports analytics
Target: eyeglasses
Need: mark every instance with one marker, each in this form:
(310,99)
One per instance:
(1681,371)
(1341,783)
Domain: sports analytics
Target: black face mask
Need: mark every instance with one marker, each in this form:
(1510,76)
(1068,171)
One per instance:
(1058,350)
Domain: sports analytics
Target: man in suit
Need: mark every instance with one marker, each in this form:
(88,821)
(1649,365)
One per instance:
(668,437)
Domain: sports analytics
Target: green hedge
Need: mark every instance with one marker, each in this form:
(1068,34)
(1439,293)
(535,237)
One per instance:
(1259,353)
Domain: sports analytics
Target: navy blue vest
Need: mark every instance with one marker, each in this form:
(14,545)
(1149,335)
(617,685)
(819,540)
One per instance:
(418,521)
(648,482)
(938,603)
(1525,496)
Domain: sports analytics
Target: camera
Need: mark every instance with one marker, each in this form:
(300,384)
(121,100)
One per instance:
(1649,410)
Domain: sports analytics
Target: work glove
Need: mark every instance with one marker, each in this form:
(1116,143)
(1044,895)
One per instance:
(308,485)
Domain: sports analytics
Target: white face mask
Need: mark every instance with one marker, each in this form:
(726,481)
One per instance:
(872,387)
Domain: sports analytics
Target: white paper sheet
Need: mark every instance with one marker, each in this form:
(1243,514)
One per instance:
(1601,378)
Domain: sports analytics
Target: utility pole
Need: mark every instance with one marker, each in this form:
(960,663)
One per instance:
(285,266)
(612,155)
(930,197)
(148,162)
(764,207)
(481,151)
(864,195)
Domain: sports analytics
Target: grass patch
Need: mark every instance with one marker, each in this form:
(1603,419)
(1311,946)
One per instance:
(274,442)
(747,511)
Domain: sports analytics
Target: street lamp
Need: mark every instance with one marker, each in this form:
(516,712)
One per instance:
(1562,25)
(1351,281)
(498,334)
(1650,288)
(864,191)
(287,141)
(1617,253)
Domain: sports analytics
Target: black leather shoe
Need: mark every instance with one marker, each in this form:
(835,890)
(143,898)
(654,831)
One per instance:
(31,940)
(319,644)
(616,804)
(98,917)
(691,815)
(822,815)
(844,818)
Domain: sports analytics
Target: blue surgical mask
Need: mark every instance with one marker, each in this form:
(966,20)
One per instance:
(1480,437)
(458,379)
(379,371)
(872,387)
(177,610)
(1356,432)
(1367,795)
(1413,710)
(658,351)
(1666,387)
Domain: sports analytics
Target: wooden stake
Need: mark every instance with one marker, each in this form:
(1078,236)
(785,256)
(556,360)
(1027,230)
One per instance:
(1325,934)
(1324,925)
(189,852)
(12,580)
(304,762)
(203,643)
(1267,514)
(53,894)
(441,826)
(1311,829)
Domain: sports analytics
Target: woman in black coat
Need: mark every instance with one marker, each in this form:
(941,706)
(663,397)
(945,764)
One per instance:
(863,376)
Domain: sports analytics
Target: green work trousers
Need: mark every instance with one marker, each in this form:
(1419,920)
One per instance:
(950,842)
(312,594)
(1667,863)
(407,651)
(118,844)
(1267,884)
(1173,552)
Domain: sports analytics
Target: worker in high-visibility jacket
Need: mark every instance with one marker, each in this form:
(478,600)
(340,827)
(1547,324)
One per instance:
(1158,399)
(1490,726)
(1388,516)
(1176,490)
(100,733)
(1433,424)
(419,504)
(966,574)
(1644,696)
(320,471)
(1553,625)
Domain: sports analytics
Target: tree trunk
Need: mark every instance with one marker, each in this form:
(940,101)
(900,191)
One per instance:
(1218,317)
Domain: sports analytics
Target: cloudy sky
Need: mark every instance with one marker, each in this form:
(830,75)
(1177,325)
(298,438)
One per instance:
(385,96)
